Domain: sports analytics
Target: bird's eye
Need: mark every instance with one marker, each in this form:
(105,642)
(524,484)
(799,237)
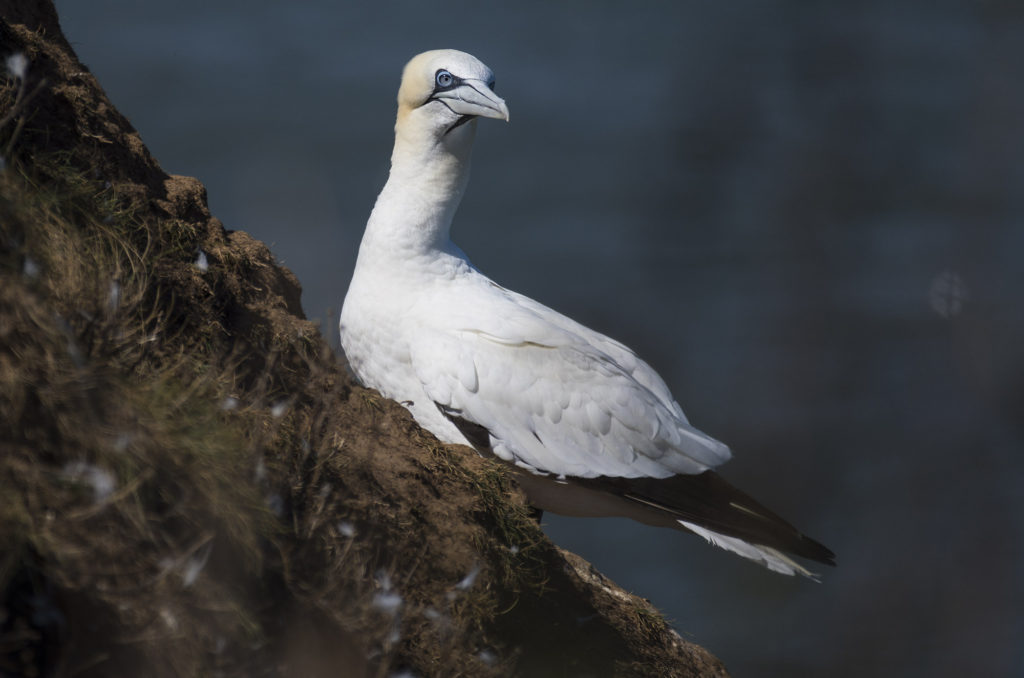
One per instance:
(444,78)
(490,85)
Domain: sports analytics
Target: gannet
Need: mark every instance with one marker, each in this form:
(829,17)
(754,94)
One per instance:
(589,428)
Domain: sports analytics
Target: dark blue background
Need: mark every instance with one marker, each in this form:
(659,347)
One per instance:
(808,217)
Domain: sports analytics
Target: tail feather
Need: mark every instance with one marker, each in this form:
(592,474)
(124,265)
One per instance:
(773,559)
(727,517)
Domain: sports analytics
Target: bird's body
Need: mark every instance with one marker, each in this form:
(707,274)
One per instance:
(591,428)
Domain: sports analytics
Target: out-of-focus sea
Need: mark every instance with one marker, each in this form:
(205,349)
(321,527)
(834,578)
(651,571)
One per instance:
(809,217)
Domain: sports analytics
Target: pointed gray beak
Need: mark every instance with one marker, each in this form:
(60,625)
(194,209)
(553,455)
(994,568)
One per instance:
(474,97)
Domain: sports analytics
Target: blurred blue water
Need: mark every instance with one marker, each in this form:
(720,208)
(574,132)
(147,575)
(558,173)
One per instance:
(766,200)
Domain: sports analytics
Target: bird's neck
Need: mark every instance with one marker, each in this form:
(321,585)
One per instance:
(414,212)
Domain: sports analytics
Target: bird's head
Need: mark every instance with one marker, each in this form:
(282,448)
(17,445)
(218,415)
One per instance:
(444,89)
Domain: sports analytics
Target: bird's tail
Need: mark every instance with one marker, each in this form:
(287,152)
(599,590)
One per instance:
(773,559)
(707,505)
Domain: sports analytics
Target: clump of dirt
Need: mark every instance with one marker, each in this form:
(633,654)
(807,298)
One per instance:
(189,481)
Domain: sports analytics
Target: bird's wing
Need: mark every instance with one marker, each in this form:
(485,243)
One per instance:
(553,395)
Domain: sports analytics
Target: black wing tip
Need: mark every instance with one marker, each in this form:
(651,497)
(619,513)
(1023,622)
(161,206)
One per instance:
(708,500)
(816,551)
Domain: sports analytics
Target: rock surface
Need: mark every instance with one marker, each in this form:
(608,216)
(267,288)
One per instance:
(189,481)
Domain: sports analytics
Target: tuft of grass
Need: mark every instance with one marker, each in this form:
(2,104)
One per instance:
(649,621)
(512,535)
(123,481)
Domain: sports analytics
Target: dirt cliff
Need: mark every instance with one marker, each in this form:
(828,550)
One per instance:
(190,483)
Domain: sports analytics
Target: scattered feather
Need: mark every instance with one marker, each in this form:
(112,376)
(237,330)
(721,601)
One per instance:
(101,480)
(30,268)
(114,295)
(229,403)
(17,65)
(201,263)
(468,581)
(346,529)
(383,580)
(278,409)
(169,619)
(195,564)
(388,602)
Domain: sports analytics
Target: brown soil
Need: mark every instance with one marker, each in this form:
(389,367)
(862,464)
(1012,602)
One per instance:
(191,484)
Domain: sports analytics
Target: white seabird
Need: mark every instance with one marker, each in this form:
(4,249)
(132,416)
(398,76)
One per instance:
(590,428)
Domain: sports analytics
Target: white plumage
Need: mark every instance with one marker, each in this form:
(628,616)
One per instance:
(423,326)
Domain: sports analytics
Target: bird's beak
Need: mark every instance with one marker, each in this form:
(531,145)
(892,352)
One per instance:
(474,97)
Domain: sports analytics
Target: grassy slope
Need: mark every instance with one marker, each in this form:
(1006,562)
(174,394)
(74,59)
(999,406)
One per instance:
(189,482)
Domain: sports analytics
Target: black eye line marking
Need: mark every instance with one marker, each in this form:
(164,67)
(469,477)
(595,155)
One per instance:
(434,97)
(456,82)
(462,120)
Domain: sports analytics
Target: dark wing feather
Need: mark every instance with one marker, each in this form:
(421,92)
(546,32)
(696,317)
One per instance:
(709,501)
(704,499)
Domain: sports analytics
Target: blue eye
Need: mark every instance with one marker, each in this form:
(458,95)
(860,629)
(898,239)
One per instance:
(444,78)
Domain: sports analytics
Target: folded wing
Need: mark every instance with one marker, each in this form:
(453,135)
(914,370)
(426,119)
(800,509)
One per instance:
(555,396)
